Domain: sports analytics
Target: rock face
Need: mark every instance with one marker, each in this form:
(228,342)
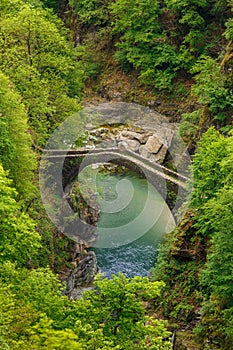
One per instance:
(82,276)
(90,213)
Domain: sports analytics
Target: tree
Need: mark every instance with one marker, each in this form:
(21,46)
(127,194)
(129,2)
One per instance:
(143,42)
(92,12)
(115,306)
(42,63)
(210,87)
(19,241)
(44,336)
(214,96)
(111,316)
(207,170)
(21,324)
(191,27)
(15,145)
(15,320)
(217,274)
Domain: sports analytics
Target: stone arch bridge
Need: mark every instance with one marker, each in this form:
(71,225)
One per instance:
(172,186)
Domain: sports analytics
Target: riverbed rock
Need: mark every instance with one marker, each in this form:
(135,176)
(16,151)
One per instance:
(122,145)
(160,156)
(107,143)
(141,137)
(167,136)
(153,157)
(143,151)
(132,145)
(153,144)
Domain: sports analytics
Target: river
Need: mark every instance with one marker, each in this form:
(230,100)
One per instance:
(134,218)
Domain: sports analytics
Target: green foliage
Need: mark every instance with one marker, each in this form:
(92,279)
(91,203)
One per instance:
(10,6)
(207,170)
(15,320)
(210,87)
(90,64)
(195,22)
(215,220)
(143,42)
(15,145)
(115,307)
(160,42)
(229,31)
(213,94)
(188,128)
(109,317)
(19,241)
(217,275)
(44,336)
(40,288)
(42,64)
(215,327)
(24,318)
(178,260)
(229,25)
(54,4)
(157,40)
(206,237)
(92,12)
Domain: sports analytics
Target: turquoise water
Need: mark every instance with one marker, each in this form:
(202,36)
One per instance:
(134,218)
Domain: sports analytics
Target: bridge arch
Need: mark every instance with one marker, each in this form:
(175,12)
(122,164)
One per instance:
(171,185)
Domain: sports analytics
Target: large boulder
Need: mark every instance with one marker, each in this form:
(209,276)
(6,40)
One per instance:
(167,136)
(160,156)
(153,144)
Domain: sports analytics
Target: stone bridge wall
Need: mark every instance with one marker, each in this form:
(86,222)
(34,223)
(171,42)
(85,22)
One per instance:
(168,183)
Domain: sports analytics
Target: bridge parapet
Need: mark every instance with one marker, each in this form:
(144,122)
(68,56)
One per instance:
(163,179)
(132,156)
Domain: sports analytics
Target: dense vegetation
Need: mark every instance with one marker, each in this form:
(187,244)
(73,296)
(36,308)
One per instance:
(196,260)
(181,48)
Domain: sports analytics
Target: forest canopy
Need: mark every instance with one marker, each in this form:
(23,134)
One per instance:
(56,56)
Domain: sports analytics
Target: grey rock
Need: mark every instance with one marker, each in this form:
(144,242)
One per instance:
(110,143)
(166,135)
(132,145)
(141,137)
(122,145)
(143,151)
(160,156)
(153,144)
(84,273)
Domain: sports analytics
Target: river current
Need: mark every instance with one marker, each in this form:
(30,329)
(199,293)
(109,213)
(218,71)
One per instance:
(134,218)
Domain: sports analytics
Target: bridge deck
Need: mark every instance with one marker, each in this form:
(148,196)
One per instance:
(127,155)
